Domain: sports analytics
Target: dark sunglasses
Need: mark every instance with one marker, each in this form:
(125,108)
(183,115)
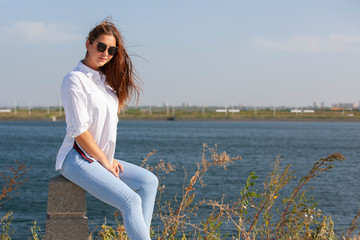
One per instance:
(101,47)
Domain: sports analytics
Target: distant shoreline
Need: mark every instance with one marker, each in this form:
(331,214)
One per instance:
(195,115)
(61,119)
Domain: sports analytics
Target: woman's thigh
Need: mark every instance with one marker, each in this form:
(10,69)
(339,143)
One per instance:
(96,180)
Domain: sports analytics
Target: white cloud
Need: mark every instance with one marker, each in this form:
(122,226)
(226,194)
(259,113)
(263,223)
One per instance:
(38,32)
(333,43)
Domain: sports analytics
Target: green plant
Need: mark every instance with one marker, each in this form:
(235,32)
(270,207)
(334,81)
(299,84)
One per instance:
(106,232)
(34,232)
(5,226)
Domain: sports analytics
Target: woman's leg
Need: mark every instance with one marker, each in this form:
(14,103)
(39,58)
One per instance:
(145,183)
(102,184)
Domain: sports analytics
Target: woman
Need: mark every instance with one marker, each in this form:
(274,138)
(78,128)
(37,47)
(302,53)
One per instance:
(91,95)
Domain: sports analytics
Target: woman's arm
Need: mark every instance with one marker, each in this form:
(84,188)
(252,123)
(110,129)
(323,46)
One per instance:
(87,142)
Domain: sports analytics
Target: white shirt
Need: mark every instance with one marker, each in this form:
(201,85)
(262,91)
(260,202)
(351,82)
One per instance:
(90,104)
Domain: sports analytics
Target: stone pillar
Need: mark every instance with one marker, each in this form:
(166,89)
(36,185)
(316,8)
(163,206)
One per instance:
(66,211)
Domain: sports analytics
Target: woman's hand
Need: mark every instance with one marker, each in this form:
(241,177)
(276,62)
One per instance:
(87,142)
(117,167)
(106,164)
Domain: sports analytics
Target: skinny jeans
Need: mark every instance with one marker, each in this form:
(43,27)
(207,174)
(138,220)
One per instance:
(133,193)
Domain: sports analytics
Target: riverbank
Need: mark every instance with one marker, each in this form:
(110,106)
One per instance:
(139,115)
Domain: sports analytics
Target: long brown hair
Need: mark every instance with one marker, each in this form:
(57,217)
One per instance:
(119,71)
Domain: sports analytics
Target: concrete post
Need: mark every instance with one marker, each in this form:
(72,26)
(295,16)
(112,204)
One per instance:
(66,211)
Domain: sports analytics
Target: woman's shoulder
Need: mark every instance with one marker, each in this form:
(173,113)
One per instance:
(73,80)
(75,75)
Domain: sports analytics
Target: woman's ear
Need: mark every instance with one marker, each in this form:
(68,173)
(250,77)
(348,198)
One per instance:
(87,44)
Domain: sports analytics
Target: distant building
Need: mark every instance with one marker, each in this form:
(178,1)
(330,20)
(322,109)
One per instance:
(221,110)
(344,105)
(303,111)
(234,110)
(309,111)
(186,104)
(315,105)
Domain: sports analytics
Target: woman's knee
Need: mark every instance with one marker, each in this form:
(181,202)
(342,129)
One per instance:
(151,180)
(133,201)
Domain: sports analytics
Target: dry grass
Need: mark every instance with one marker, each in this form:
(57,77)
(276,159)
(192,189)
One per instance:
(253,215)
(12,182)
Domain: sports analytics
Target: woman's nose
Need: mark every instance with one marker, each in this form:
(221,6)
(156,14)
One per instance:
(105,53)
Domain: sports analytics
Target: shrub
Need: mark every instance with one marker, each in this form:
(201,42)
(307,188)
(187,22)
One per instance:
(265,215)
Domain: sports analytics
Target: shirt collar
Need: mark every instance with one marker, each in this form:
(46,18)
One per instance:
(89,71)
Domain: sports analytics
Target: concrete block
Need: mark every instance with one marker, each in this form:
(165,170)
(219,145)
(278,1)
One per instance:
(67,229)
(66,211)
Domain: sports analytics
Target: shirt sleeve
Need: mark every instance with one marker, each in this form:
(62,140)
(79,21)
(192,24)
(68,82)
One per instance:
(75,104)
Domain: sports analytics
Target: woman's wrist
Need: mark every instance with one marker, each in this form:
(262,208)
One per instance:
(104,160)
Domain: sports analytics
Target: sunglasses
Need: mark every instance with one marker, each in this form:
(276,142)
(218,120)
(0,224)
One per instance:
(101,47)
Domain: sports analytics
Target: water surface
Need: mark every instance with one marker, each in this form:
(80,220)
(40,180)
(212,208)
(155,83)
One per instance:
(258,143)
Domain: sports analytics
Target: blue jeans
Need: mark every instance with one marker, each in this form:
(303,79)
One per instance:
(133,193)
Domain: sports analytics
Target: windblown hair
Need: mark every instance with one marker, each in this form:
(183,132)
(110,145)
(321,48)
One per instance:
(119,71)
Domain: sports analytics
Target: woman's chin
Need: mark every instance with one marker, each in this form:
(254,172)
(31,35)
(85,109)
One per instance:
(101,63)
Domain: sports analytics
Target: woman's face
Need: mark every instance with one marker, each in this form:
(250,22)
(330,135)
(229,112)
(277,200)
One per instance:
(96,59)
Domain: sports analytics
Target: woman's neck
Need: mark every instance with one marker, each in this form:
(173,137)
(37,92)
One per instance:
(86,62)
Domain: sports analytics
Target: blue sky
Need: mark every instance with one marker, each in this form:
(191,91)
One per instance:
(204,52)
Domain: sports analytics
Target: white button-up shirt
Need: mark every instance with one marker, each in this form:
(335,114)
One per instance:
(89,104)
